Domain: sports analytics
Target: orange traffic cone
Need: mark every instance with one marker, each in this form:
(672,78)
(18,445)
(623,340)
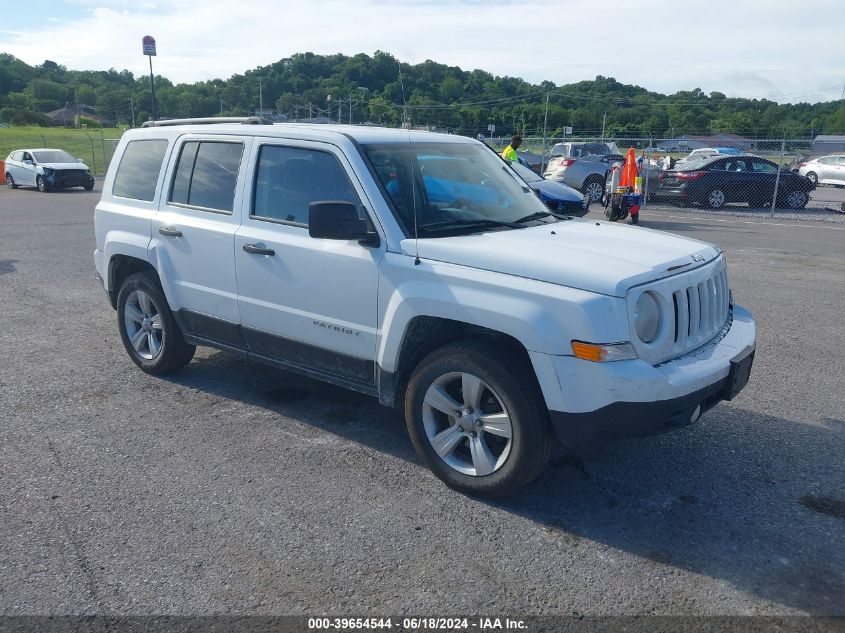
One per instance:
(629,170)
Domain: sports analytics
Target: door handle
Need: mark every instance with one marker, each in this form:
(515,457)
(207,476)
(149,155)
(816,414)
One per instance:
(170,231)
(255,249)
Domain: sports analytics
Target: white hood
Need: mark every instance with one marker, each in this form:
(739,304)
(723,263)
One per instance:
(63,166)
(585,254)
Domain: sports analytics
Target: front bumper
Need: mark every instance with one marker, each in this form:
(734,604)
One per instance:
(60,179)
(589,402)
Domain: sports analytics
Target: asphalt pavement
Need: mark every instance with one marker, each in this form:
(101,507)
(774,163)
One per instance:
(235,488)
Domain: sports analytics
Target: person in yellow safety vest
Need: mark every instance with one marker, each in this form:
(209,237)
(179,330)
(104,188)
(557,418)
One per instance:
(509,152)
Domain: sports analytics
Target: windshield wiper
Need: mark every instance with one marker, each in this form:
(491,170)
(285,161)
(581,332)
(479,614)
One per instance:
(541,214)
(448,224)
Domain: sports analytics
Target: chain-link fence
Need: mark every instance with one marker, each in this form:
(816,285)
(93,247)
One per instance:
(95,147)
(725,171)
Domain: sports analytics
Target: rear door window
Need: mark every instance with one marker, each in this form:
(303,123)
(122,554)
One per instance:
(140,166)
(206,175)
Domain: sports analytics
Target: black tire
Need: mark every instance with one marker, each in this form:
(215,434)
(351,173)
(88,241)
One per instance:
(795,200)
(715,199)
(508,379)
(89,187)
(10,182)
(593,187)
(42,184)
(174,352)
(814,177)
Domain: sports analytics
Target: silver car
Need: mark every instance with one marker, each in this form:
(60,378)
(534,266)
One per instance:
(583,166)
(827,170)
(46,169)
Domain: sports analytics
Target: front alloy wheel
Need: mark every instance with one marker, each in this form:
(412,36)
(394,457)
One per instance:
(467,424)
(797,200)
(42,184)
(477,417)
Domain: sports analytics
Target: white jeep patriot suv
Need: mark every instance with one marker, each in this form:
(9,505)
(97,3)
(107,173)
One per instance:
(417,268)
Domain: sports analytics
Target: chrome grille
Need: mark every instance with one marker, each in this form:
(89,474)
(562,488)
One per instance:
(700,310)
(694,308)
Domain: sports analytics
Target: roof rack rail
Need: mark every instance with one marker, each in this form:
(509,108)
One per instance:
(244,120)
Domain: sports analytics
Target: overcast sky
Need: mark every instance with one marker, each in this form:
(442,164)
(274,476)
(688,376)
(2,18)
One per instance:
(777,49)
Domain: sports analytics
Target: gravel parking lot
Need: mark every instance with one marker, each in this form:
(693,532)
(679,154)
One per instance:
(235,488)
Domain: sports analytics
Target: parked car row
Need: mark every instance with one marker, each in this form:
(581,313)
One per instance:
(712,177)
(47,170)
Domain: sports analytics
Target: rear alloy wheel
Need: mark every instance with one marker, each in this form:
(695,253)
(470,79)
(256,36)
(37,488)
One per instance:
(797,199)
(10,183)
(813,177)
(42,184)
(477,418)
(148,330)
(593,189)
(716,199)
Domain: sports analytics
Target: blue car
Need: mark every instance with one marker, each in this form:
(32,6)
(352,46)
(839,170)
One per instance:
(558,197)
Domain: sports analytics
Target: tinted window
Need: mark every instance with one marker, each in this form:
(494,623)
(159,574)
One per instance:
(139,168)
(206,175)
(842,161)
(288,179)
(827,160)
(763,166)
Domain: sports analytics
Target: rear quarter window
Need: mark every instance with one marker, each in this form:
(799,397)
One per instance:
(137,173)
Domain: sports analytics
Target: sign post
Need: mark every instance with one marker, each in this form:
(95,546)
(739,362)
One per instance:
(149,45)
(491,128)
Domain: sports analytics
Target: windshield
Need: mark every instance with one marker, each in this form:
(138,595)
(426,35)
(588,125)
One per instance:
(525,172)
(54,156)
(453,187)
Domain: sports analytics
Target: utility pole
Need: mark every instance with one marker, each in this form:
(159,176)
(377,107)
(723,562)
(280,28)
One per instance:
(132,109)
(603,121)
(260,96)
(545,126)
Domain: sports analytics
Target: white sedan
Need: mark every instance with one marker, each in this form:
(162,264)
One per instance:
(827,170)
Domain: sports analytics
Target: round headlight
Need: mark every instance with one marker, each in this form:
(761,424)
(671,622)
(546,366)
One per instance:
(647,317)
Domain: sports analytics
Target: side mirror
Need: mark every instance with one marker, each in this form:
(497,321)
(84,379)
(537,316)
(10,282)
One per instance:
(28,161)
(337,220)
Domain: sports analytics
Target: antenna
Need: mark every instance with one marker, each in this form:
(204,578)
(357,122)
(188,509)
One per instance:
(411,161)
